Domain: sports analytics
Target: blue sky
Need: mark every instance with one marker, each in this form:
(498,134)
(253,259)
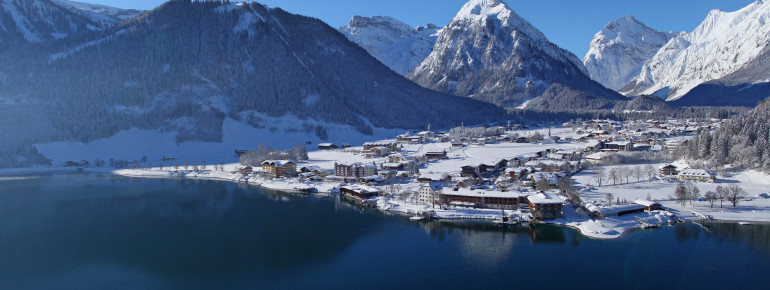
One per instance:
(570,24)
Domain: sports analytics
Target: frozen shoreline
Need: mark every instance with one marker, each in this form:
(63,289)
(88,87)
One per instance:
(607,228)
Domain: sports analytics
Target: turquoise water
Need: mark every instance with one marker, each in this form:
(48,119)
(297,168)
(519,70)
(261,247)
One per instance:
(69,231)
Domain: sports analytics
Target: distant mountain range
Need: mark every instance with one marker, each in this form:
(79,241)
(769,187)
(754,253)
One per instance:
(722,62)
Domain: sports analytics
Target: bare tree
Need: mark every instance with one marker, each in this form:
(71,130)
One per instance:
(600,175)
(176,166)
(161,166)
(735,194)
(614,174)
(681,194)
(693,193)
(186,164)
(625,172)
(722,194)
(650,172)
(711,197)
(195,166)
(637,172)
(203,165)
(149,165)
(609,198)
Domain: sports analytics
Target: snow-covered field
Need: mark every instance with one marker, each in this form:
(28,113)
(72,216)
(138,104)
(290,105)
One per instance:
(283,132)
(662,191)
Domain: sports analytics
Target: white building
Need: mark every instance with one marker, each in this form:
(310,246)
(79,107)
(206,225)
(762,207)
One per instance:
(429,193)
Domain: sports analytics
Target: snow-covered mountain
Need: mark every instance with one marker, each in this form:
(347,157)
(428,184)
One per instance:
(105,16)
(392,42)
(722,45)
(34,21)
(490,53)
(243,64)
(618,52)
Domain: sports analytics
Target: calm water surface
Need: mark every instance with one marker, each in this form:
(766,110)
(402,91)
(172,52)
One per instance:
(102,231)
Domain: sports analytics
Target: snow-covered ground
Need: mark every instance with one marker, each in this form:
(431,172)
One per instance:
(662,191)
(283,132)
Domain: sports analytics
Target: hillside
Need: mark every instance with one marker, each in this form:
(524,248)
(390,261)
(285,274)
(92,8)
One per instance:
(186,66)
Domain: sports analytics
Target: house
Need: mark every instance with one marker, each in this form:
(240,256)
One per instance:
(596,158)
(391,146)
(480,198)
(698,175)
(279,168)
(667,170)
(429,193)
(436,155)
(434,177)
(552,179)
(245,170)
(648,205)
(372,180)
(327,146)
(546,205)
(473,171)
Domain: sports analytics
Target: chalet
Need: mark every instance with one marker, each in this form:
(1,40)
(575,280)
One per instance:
(391,146)
(648,205)
(516,173)
(346,145)
(429,193)
(278,168)
(552,179)
(372,180)
(380,151)
(327,146)
(479,198)
(495,164)
(546,205)
(436,155)
(522,140)
(698,175)
(245,170)
(434,177)
(667,170)
(473,171)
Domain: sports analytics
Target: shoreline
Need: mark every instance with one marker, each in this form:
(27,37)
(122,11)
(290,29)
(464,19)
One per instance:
(448,215)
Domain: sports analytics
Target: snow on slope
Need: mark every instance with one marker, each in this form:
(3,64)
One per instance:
(106,16)
(618,52)
(392,42)
(283,132)
(723,44)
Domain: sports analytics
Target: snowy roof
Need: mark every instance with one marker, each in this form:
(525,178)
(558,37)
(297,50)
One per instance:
(362,188)
(666,165)
(545,198)
(645,202)
(484,193)
(697,172)
(435,186)
(615,209)
(597,156)
(325,144)
(278,163)
(431,176)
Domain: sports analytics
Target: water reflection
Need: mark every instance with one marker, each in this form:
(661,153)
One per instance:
(181,229)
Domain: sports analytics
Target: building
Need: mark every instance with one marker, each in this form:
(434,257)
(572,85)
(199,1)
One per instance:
(429,193)
(436,155)
(361,194)
(698,175)
(667,170)
(278,168)
(648,205)
(245,170)
(354,170)
(481,198)
(328,146)
(546,205)
(391,146)
(615,210)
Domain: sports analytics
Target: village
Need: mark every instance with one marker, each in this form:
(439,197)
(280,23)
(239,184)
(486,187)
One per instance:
(578,174)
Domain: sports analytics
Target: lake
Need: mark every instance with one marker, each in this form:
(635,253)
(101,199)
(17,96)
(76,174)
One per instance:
(75,231)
